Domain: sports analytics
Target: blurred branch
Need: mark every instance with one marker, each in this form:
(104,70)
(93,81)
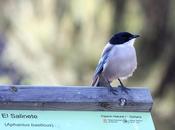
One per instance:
(155,31)
(167,80)
(7,69)
(119,11)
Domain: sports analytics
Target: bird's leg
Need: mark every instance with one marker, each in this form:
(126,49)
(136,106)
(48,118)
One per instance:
(112,90)
(106,83)
(123,88)
(120,83)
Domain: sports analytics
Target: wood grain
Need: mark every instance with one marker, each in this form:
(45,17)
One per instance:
(73,98)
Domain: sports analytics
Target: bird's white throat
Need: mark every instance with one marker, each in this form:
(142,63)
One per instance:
(130,42)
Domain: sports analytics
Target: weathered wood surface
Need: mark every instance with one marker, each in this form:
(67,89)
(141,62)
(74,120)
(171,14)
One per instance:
(73,98)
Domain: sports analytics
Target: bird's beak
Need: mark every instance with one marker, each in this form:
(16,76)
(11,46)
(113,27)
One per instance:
(136,36)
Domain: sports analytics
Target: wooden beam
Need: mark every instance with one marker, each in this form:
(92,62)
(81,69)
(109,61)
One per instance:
(73,98)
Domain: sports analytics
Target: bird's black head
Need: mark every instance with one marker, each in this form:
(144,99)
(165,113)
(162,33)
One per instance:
(121,38)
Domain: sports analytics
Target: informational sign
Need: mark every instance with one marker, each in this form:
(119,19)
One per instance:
(74,120)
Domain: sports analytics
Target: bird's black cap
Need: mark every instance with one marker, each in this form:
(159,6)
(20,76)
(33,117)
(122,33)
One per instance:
(121,38)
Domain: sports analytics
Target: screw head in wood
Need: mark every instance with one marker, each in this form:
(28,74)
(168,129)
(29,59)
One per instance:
(123,101)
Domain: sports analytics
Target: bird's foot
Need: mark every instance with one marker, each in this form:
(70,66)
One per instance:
(112,90)
(124,89)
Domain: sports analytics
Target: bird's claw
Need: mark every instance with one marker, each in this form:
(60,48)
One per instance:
(124,89)
(112,90)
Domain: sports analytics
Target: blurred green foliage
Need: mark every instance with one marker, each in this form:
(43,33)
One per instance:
(58,42)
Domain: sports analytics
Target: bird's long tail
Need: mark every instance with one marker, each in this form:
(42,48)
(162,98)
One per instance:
(100,81)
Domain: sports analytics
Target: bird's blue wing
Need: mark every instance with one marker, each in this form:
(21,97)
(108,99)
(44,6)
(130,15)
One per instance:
(102,60)
(100,65)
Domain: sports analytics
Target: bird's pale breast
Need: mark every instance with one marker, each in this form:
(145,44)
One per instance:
(122,63)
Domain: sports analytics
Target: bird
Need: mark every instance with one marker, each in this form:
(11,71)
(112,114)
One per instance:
(118,61)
